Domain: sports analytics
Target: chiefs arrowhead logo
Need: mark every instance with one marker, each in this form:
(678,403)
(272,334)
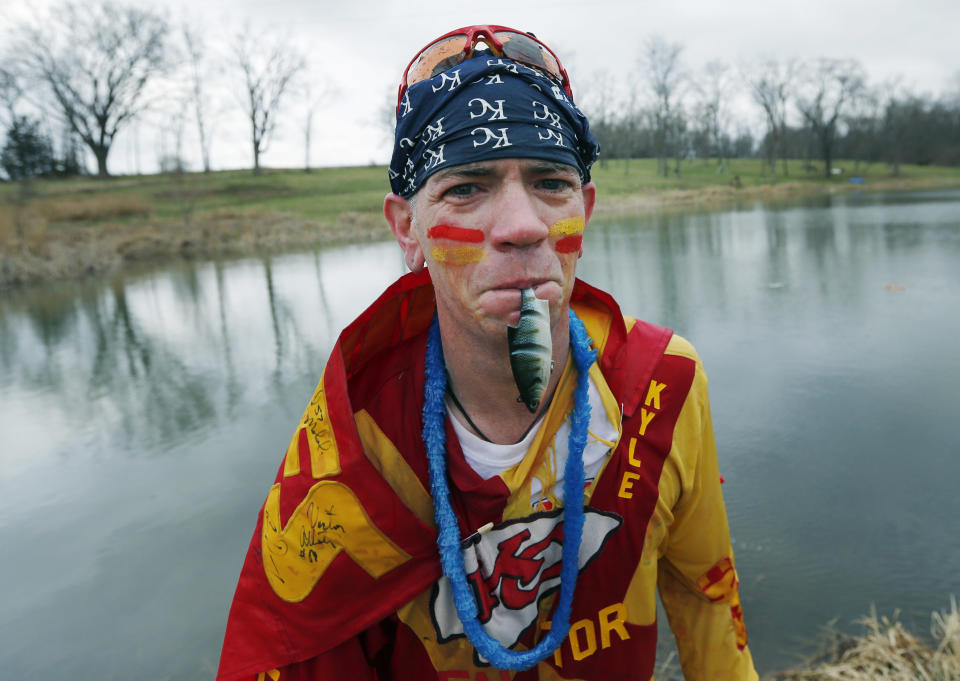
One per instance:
(512,567)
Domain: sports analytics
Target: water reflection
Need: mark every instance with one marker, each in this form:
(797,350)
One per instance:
(142,363)
(829,336)
(142,418)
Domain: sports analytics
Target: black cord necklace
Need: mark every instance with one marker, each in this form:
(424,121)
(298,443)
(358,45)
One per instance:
(456,403)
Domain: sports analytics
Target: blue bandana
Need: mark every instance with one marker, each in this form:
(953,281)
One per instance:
(486,108)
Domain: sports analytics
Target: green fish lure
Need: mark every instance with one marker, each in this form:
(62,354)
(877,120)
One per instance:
(531,351)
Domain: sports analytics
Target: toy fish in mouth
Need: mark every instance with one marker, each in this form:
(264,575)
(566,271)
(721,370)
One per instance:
(531,350)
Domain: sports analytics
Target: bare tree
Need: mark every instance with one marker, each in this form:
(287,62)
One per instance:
(268,66)
(829,89)
(900,108)
(632,122)
(197,72)
(597,99)
(661,65)
(311,101)
(714,86)
(952,95)
(10,93)
(770,85)
(385,117)
(95,61)
(172,125)
(862,124)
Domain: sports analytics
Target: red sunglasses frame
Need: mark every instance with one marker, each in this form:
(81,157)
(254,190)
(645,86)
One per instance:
(486,33)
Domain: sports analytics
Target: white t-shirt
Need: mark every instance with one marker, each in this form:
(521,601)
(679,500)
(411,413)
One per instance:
(489,459)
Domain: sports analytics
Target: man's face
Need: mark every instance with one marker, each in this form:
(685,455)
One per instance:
(489,229)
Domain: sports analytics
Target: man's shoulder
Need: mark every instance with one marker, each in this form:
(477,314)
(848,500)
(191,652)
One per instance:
(676,345)
(389,374)
(681,347)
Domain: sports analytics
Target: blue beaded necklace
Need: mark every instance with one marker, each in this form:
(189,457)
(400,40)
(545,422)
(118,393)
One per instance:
(448,533)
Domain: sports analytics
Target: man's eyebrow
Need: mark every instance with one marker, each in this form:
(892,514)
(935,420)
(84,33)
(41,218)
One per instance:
(545,167)
(465,171)
(477,170)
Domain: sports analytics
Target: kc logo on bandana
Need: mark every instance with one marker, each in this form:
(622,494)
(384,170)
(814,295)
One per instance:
(547,115)
(434,131)
(551,135)
(489,136)
(485,106)
(486,109)
(454,82)
(405,107)
(512,568)
(434,158)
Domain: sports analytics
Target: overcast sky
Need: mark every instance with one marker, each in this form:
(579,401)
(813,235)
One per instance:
(357,50)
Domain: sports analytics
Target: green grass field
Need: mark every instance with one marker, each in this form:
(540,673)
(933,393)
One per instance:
(58,229)
(326,193)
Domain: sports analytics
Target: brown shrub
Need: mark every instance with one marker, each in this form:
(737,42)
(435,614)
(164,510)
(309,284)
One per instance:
(7,227)
(18,224)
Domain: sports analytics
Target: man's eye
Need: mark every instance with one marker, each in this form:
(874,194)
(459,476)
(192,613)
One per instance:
(462,190)
(555,184)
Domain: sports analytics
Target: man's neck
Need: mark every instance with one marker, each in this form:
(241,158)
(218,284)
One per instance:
(482,381)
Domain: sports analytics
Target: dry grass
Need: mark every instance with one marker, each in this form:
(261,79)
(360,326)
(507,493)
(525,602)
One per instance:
(718,196)
(886,651)
(73,251)
(88,208)
(8,230)
(20,228)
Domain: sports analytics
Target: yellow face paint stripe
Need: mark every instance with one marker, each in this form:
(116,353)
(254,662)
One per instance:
(458,255)
(567,227)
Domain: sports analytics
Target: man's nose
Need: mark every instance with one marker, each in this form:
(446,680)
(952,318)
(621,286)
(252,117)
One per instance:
(517,223)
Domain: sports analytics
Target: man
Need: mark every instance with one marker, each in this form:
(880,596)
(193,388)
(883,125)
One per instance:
(420,526)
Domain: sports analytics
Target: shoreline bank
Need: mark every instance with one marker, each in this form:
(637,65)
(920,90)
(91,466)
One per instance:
(719,197)
(882,649)
(886,649)
(79,251)
(72,251)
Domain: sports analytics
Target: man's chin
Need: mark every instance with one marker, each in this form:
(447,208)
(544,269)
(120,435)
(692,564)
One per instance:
(504,303)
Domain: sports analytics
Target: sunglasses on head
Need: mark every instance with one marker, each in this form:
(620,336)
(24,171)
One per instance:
(456,46)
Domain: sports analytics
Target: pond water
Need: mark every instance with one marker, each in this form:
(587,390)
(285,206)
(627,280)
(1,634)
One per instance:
(143,417)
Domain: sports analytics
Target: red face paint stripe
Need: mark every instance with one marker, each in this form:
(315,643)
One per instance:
(569,244)
(473,236)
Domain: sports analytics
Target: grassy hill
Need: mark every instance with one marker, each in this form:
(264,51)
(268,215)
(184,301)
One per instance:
(66,228)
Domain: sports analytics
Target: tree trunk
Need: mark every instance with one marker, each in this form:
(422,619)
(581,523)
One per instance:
(100,152)
(827,161)
(204,143)
(306,144)
(20,213)
(826,151)
(782,143)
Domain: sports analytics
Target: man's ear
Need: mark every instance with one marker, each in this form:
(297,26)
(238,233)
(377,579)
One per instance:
(589,199)
(400,216)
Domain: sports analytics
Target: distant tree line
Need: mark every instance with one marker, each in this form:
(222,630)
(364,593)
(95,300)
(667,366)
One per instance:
(75,77)
(815,111)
